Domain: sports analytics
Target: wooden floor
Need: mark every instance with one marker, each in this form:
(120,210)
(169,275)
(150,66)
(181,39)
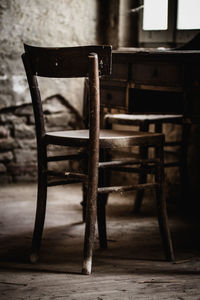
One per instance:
(133,267)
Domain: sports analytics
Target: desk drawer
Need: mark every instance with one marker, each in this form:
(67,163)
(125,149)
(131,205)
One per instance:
(192,75)
(120,71)
(157,73)
(192,107)
(114,94)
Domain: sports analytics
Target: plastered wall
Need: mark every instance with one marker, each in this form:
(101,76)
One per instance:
(44,23)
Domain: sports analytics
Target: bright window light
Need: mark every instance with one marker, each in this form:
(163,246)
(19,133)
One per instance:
(188,14)
(155,15)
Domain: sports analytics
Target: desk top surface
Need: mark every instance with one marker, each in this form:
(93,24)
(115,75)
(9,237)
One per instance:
(125,55)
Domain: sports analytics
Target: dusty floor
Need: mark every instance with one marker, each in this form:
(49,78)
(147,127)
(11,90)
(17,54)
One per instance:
(133,267)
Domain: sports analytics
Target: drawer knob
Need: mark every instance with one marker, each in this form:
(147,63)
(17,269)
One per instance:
(109,96)
(155,73)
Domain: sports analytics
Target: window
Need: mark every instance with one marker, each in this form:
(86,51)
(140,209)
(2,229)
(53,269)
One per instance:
(168,22)
(155,16)
(188,14)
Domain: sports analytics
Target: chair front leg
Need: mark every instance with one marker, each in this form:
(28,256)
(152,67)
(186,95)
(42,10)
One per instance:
(91,208)
(41,205)
(162,210)
(104,180)
(142,176)
(93,163)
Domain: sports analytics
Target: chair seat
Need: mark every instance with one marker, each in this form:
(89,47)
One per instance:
(151,118)
(108,138)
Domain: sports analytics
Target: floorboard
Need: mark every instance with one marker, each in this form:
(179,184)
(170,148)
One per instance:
(133,266)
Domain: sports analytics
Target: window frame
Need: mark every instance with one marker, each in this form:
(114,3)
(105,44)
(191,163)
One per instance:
(171,37)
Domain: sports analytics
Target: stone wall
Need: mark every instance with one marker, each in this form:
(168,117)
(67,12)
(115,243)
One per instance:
(18,153)
(43,23)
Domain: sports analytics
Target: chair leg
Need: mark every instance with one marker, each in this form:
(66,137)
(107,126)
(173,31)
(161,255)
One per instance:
(84,202)
(40,216)
(101,217)
(91,213)
(162,211)
(93,164)
(161,203)
(142,176)
(183,165)
(91,208)
(104,180)
(158,129)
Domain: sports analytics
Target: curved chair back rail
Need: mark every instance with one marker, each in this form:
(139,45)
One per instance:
(67,61)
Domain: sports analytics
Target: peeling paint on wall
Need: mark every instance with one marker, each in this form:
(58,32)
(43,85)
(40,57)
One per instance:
(19,84)
(44,23)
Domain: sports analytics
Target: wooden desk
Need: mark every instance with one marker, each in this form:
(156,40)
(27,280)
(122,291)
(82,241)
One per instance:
(170,77)
(163,82)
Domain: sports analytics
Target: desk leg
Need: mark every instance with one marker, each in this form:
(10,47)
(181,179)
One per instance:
(184,165)
(104,180)
(142,175)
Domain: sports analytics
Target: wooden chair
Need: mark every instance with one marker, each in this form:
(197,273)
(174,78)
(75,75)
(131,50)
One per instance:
(89,61)
(143,121)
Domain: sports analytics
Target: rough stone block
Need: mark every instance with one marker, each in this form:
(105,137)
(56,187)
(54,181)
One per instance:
(2,168)
(22,131)
(17,169)
(27,144)
(28,177)
(52,106)
(8,144)
(6,156)
(22,156)
(24,110)
(5,179)
(4,132)
(31,120)
(58,120)
(9,118)
(6,100)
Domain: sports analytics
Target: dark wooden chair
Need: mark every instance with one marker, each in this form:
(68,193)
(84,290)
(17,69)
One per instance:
(89,61)
(143,121)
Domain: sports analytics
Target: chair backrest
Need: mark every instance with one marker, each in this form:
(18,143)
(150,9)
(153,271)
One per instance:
(68,62)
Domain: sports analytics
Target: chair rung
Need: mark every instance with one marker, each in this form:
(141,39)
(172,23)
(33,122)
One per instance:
(70,175)
(112,189)
(127,162)
(66,157)
(175,143)
(172,164)
(62,182)
(122,154)
(145,169)
(76,175)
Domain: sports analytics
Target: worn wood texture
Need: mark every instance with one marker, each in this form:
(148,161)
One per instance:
(107,138)
(67,62)
(93,164)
